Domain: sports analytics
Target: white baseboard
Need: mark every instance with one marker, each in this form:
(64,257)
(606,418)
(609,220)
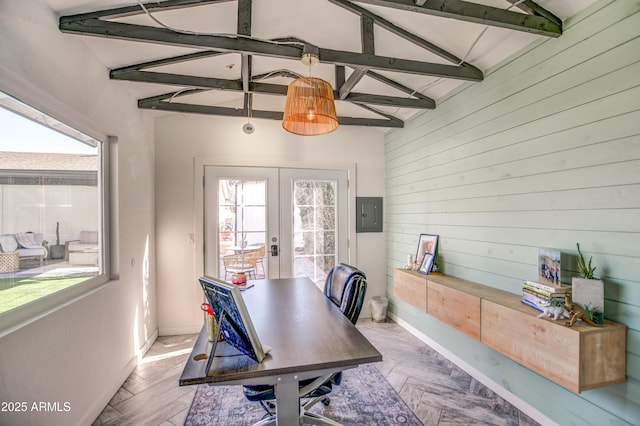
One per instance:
(517,402)
(92,413)
(147,345)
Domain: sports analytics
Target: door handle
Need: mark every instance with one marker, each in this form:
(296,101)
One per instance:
(274,250)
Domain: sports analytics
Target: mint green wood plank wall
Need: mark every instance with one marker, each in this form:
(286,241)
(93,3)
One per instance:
(545,152)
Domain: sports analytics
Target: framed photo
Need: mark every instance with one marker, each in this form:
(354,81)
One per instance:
(426,264)
(428,243)
(549,267)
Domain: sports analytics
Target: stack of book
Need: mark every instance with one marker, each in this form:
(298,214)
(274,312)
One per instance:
(539,295)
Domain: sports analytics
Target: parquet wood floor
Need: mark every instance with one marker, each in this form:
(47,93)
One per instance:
(438,392)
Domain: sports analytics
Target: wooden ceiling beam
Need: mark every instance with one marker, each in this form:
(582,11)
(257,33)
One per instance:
(124,11)
(477,13)
(368,48)
(533,8)
(351,82)
(400,32)
(172,60)
(160,105)
(141,33)
(389,82)
(244,28)
(197,82)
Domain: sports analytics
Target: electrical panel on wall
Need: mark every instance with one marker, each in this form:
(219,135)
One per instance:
(368,214)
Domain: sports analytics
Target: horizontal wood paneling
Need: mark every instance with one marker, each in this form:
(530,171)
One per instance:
(548,59)
(545,152)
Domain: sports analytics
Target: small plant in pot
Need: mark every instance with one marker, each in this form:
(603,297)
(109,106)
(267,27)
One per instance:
(56,251)
(587,290)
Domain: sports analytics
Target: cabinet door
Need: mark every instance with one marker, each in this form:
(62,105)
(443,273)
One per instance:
(546,347)
(411,287)
(454,307)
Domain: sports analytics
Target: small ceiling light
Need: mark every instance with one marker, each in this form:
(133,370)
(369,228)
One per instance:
(248,127)
(310,108)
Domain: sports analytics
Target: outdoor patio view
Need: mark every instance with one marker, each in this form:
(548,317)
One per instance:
(50,206)
(242,236)
(314,225)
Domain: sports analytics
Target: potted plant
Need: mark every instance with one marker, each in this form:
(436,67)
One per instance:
(56,251)
(587,290)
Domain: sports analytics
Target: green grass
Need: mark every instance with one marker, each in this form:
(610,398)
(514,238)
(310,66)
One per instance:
(16,292)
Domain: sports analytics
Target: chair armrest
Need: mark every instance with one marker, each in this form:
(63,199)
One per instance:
(66,248)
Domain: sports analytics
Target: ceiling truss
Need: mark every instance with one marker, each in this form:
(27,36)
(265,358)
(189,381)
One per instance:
(365,63)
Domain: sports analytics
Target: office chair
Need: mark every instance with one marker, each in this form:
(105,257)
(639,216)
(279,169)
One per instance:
(345,286)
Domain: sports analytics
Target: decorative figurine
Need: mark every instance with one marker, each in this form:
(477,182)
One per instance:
(409,264)
(557,312)
(576,312)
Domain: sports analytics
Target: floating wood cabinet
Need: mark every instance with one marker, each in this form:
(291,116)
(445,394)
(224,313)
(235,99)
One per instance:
(579,358)
(411,286)
(455,307)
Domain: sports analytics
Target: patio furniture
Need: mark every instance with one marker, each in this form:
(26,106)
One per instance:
(83,251)
(259,254)
(26,244)
(9,262)
(237,263)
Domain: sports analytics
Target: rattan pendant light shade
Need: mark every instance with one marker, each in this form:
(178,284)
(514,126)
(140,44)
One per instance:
(310,109)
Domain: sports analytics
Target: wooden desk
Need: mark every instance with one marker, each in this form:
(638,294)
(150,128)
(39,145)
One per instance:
(309,335)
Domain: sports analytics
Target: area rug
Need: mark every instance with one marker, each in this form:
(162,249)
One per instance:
(364,398)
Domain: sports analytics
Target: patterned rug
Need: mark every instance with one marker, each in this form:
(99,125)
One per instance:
(364,398)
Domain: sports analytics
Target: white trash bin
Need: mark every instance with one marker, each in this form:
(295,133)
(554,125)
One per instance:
(379,308)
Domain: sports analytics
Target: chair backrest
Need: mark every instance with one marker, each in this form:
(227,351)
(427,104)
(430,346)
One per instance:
(346,286)
(239,261)
(259,252)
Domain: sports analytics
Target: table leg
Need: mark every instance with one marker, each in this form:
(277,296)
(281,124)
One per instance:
(287,403)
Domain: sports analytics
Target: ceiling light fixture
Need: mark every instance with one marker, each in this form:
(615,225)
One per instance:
(248,127)
(310,109)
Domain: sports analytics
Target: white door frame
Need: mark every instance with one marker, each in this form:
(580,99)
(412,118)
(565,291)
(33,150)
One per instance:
(198,194)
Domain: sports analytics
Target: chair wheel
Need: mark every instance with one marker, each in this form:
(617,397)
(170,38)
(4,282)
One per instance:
(326,401)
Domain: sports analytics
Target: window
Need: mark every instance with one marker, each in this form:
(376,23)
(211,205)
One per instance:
(314,228)
(52,205)
(242,213)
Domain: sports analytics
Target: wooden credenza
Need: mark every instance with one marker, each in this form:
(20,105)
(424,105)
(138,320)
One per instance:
(579,358)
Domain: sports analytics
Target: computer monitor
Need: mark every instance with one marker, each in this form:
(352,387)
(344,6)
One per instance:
(234,322)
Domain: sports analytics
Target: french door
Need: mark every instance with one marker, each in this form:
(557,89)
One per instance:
(275,222)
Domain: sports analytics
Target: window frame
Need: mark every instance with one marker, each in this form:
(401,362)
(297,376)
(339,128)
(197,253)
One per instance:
(35,98)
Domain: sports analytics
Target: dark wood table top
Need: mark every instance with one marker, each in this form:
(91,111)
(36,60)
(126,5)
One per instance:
(307,332)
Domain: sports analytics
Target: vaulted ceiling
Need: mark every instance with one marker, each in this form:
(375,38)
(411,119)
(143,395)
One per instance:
(385,59)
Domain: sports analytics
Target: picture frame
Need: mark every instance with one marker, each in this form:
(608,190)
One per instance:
(426,264)
(428,243)
(549,267)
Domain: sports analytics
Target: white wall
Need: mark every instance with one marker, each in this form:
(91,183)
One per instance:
(34,208)
(82,352)
(184,140)
(545,152)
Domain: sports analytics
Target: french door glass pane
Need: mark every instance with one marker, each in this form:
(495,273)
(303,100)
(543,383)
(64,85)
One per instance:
(242,227)
(314,228)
